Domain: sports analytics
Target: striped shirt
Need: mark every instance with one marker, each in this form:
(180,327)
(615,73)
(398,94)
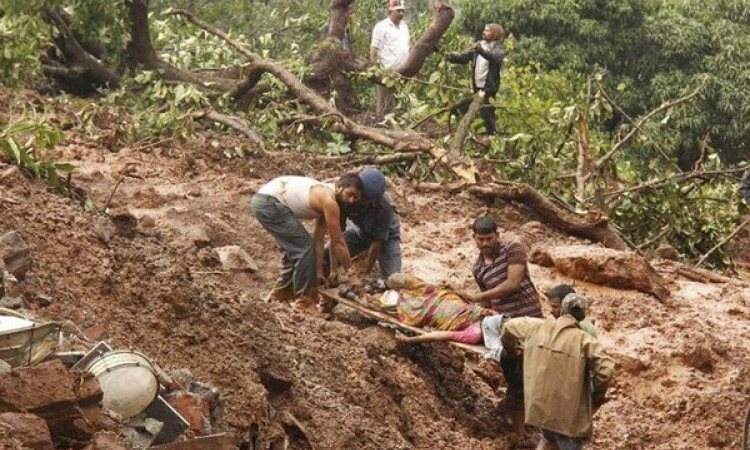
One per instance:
(524,301)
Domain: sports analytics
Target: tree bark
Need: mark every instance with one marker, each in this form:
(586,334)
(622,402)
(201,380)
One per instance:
(428,42)
(463,126)
(93,72)
(140,51)
(594,226)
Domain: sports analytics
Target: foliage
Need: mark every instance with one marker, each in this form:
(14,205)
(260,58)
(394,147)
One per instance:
(22,144)
(21,40)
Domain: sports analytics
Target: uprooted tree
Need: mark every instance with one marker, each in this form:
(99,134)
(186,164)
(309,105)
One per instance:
(79,63)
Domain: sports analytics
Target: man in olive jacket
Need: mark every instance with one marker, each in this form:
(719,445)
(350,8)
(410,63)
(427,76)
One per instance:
(566,372)
(487,56)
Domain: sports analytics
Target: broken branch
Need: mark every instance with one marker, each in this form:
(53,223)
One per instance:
(723,241)
(664,106)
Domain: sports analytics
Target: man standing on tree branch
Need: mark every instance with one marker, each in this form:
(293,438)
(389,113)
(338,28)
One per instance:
(487,56)
(390,47)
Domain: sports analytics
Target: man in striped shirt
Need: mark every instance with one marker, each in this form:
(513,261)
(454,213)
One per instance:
(503,277)
(502,274)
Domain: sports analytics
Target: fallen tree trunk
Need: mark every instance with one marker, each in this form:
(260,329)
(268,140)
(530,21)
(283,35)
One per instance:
(594,226)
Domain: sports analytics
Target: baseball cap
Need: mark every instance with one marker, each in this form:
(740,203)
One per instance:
(373,183)
(395,5)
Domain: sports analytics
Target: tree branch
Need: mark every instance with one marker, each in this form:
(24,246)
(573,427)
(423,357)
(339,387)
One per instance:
(399,140)
(633,123)
(594,226)
(664,106)
(723,241)
(463,126)
(673,179)
(233,123)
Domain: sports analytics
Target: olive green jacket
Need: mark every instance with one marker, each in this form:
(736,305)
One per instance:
(561,364)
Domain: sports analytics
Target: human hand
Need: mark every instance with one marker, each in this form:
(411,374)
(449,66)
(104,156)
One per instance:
(477,47)
(467,296)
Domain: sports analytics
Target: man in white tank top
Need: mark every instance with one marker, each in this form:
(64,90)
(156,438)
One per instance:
(280,204)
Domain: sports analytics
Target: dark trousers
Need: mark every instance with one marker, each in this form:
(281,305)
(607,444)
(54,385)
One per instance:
(298,266)
(487,113)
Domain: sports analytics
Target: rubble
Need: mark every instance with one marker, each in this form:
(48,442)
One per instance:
(30,430)
(15,254)
(235,259)
(214,442)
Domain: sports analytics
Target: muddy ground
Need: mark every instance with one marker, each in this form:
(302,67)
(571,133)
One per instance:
(155,282)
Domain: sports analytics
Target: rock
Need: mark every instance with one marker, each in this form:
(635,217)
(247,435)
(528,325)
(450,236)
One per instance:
(197,235)
(15,254)
(106,441)
(30,430)
(126,224)
(5,367)
(11,302)
(42,300)
(235,259)
(95,333)
(624,270)
(215,442)
(9,285)
(190,407)
(47,390)
(666,251)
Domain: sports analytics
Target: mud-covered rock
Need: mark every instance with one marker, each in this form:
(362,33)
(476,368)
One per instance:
(30,430)
(15,254)
(624,270)
(234,259)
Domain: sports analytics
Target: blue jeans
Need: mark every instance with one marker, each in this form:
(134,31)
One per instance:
(357,242)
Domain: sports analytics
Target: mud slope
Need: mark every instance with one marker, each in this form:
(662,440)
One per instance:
(149,273)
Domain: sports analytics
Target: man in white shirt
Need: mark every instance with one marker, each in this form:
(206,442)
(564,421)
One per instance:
(487,56)
(390,47)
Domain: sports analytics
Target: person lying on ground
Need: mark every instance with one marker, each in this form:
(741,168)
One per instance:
(474,333)
(562,300)
(280,205)
(417,303)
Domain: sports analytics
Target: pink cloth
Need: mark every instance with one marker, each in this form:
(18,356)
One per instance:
(471,335)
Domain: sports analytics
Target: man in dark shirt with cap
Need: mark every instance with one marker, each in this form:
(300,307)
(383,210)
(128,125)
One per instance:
(374,226)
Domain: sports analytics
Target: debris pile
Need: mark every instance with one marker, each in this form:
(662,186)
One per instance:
(61,387)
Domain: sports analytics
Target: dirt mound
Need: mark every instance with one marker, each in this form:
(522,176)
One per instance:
(150,273)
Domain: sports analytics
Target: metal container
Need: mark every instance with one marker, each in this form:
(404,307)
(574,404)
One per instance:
(127,379)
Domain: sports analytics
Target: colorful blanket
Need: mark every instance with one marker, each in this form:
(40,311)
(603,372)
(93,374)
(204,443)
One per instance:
(425,305)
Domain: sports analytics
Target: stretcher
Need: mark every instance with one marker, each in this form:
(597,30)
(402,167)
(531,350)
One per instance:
(368,311)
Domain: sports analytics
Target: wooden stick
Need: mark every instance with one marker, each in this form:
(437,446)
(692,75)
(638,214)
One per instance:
(723,241)
(383,317)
